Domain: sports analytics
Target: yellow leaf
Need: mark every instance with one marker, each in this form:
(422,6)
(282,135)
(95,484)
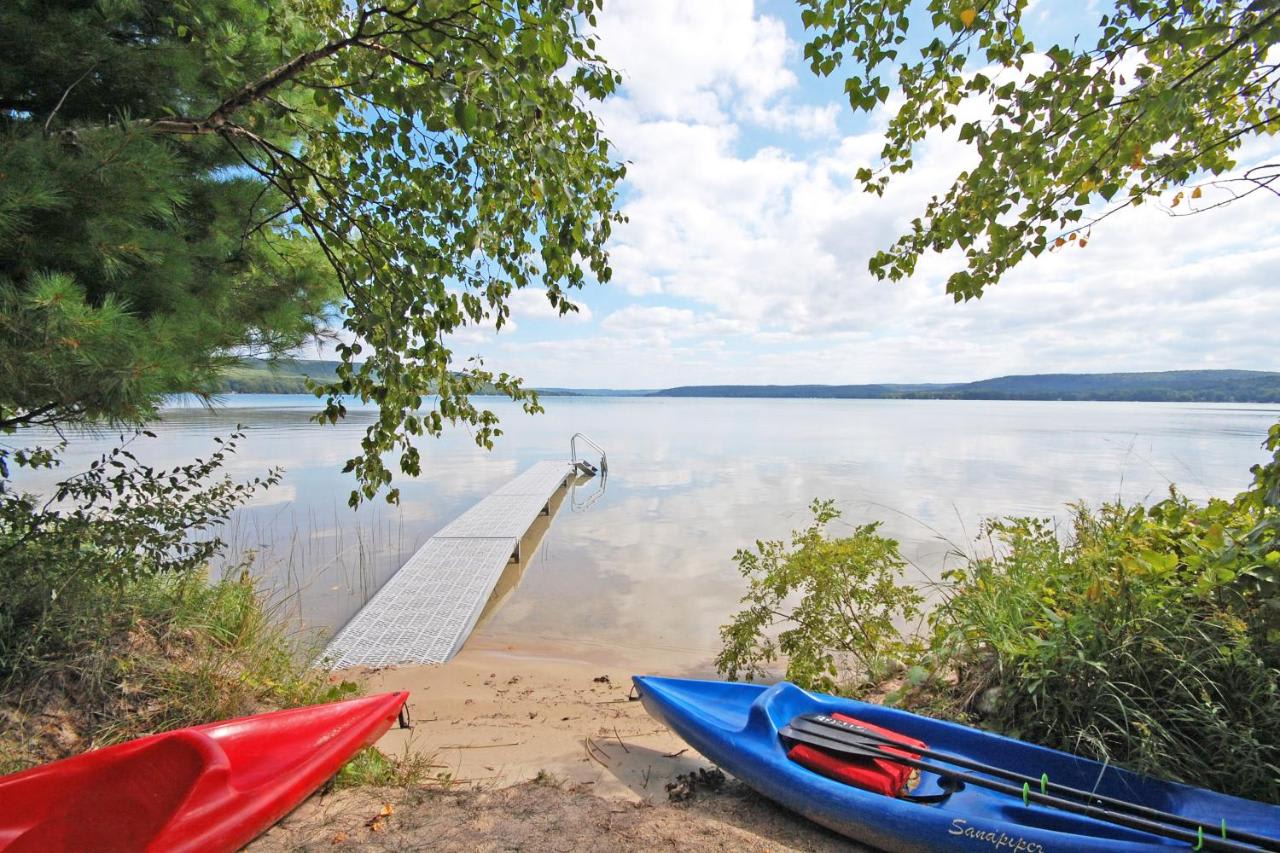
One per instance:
(377,823)
(967,17)
(1196,193)
(1059,242)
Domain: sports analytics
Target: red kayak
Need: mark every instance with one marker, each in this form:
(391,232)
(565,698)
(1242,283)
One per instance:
(206,788)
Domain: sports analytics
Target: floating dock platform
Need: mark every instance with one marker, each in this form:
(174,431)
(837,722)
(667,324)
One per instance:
(429,607)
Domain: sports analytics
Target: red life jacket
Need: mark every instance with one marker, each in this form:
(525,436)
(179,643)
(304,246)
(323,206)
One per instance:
(879,775)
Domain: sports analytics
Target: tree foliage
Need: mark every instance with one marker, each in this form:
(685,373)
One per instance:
(1164,98)
(129,263)
(186,179)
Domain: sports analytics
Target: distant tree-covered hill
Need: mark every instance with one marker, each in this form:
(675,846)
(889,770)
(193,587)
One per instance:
(257,376)
(859,392)
(1226,386)
(282,376)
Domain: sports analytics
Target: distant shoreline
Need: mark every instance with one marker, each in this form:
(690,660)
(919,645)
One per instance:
(255,376)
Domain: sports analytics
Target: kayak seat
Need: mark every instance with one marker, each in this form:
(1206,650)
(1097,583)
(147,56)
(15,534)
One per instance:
(120,804)
(878,775)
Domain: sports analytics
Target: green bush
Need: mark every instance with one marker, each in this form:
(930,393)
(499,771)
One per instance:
(1111,645)
(66,558)
(1150,637)
(833,608)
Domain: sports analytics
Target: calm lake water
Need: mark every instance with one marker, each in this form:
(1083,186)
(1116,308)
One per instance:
(647,565)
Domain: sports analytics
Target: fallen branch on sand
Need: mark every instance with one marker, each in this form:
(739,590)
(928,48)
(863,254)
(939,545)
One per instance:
(592,748)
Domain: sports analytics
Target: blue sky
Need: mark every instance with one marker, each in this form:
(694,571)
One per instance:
(744,260)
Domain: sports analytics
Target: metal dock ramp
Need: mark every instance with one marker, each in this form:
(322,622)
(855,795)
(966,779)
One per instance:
(426,611)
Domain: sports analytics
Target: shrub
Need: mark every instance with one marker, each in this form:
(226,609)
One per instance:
(1113,646)
(64,560)
(1150,638)
(851,608)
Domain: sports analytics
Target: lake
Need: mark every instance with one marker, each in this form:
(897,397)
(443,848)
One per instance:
(646,566)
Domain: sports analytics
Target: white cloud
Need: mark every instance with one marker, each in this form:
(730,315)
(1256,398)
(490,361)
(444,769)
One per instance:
(639,318)
(771,245)
(532,304)
(664,323)
(712,61)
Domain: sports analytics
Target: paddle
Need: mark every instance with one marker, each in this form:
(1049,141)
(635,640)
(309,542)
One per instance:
(1199,839)
(830,727)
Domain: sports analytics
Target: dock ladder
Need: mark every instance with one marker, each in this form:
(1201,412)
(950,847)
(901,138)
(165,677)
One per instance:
(583,465)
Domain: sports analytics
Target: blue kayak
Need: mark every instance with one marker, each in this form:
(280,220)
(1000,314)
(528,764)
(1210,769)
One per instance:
(738,725)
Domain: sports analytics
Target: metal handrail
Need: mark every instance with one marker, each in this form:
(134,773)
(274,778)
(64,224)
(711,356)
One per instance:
(573,451)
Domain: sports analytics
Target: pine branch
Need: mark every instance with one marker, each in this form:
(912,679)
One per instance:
(41,415)
(63,99)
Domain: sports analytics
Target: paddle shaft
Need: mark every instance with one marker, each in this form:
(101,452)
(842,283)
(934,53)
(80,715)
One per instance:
(833,725)
(1131,821)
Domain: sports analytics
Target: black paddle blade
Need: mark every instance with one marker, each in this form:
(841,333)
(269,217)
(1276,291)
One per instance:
(798,736)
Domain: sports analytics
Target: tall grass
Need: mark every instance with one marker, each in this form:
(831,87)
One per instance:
(1105,646)
(159,652)
(323,565)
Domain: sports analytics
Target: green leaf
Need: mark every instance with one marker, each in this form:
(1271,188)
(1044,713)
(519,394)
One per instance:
(466,114)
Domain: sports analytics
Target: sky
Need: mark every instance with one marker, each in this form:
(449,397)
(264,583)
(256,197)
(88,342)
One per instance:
(745,256)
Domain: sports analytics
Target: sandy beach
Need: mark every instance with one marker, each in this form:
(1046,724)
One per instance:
(534,749)
(495,717)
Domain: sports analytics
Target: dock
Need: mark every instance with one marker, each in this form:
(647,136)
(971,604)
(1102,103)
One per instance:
(429,607)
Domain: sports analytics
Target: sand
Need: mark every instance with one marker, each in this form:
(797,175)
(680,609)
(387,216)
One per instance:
(537,750)
(539,817)
(496,718)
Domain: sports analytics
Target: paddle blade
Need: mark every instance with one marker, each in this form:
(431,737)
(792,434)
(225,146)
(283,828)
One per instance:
(871,770)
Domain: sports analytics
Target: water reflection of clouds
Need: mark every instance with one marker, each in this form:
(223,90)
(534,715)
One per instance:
(657,477)
(931,480)
(650,564)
